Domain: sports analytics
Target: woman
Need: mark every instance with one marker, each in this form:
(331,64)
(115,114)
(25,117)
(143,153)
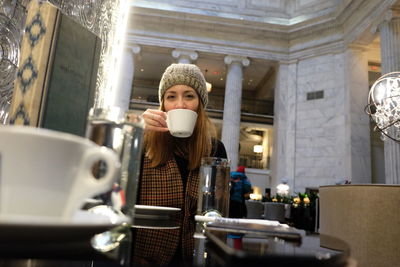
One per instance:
(170,171)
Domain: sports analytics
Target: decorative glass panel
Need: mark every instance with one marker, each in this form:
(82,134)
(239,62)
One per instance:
(98,16)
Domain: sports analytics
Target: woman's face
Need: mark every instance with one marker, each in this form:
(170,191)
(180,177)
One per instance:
(181,96)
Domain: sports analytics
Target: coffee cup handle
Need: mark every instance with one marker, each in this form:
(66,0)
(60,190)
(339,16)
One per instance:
(88,185)
(94,155)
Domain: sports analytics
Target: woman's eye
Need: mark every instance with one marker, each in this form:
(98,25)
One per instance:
(190,96)
(170,96)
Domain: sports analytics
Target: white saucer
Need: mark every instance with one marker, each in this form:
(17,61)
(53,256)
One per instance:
(156,217)
(147,207)
(80,218)
(82,226)
(156,210)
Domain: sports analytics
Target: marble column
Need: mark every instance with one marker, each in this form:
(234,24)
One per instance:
(390,57)
(283,158)
(123,96)
(357,125)
(232,106)
(184,56)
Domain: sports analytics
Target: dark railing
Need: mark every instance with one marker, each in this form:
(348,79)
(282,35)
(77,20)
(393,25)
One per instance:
(249,105)
(253,161)
(216,102)
(252,110)
(212,113)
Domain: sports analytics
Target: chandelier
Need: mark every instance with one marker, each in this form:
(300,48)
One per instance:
(384,105)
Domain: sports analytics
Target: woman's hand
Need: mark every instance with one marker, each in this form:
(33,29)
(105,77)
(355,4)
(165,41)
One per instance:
(155,120)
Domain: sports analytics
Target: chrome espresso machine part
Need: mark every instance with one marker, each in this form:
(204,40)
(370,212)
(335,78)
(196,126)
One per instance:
(213,200)
(214,188)
(111,128)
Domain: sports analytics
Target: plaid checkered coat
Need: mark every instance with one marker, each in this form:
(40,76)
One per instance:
(162,186)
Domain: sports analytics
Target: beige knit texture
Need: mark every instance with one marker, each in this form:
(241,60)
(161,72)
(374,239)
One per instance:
(184,74)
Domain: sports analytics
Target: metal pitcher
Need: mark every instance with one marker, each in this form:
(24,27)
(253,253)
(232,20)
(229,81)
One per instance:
(214,187)
(213,200)
(111,128)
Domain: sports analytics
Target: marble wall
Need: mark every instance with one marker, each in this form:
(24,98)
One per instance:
(357,88)
(320,154)
(325,140)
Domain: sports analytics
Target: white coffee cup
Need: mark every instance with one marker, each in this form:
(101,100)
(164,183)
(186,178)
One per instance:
(181,122)
(48,173)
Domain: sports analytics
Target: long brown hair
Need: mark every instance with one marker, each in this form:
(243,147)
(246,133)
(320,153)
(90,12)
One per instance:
(161,146)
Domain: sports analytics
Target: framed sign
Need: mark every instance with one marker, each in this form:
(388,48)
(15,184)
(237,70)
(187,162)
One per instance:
(72,76)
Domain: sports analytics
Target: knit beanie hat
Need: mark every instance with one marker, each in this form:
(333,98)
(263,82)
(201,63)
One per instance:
(184,74)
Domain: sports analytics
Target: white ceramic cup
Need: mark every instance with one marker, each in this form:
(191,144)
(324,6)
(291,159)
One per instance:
(48,173)
(181,122)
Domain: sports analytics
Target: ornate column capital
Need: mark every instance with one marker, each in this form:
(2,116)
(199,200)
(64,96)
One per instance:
(390,14)
(243,60)
(134,49)
(179,54)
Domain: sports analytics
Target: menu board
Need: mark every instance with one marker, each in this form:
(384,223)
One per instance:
(72,78)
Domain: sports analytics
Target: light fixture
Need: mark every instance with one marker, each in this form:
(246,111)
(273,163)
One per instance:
(209,86)
(256,194)
(282,189)
(384,105)
(258,149)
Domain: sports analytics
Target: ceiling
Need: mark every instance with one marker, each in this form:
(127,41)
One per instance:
(279,12)
(258,77)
